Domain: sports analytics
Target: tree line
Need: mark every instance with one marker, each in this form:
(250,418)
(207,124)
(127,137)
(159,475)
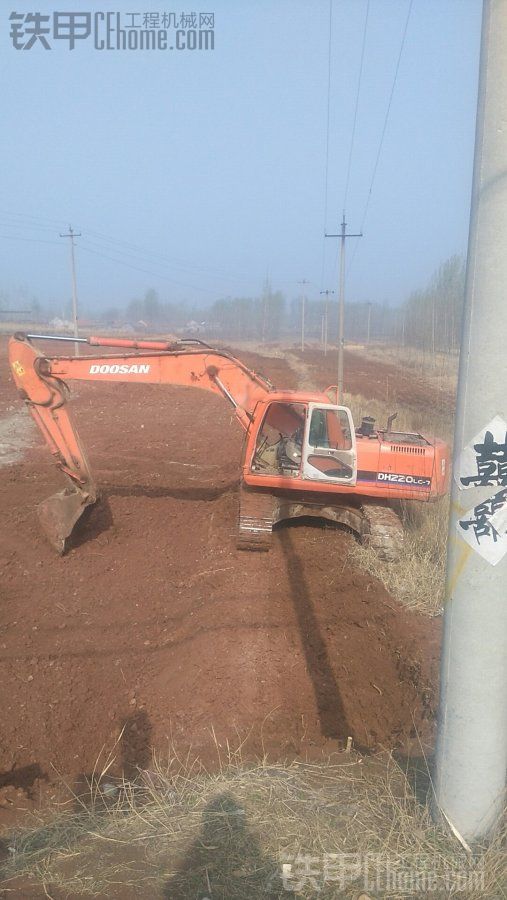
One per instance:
(429,318)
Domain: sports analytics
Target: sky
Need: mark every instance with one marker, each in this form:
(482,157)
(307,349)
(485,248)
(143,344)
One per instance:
(201,172)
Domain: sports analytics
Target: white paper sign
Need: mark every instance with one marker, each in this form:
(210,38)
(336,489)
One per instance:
(484,527)
(483,462)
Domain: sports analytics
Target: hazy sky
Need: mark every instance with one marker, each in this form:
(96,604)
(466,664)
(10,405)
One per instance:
(210,165)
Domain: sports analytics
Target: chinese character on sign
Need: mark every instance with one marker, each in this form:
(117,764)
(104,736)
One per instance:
(485,527)
(491,462)
(483,462)
(72,26)
(30,26)
(483,513)
(206,20)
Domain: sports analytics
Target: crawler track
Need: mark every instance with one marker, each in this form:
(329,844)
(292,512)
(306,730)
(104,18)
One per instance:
(384,532)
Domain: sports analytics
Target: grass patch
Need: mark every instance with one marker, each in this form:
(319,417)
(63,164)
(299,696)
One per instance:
(255,831)
(439,369)
(417,578)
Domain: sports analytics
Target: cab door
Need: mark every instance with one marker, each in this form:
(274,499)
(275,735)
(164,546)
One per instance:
(329,446)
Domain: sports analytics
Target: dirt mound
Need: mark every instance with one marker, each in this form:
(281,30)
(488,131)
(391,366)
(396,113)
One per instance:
(156,627)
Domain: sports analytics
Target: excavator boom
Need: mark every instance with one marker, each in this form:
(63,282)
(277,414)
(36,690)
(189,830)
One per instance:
(41,382)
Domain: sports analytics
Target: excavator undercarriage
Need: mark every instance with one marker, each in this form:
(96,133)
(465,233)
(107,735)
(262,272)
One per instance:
(376,525)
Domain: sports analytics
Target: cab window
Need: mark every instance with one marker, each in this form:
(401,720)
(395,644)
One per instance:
(278,450)
(330,428)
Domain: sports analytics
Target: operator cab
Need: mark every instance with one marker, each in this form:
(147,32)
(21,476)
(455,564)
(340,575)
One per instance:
(311,441)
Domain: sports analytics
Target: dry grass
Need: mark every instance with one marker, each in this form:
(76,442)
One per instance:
(440,369)
(417,578)
(181,832)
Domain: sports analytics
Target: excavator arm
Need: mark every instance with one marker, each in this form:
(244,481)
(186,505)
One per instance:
(41,382)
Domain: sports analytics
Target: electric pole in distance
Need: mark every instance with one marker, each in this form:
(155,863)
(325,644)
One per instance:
(303,301)
(341,311)
(327,293)
(369,322)
(471,754)
(72,234)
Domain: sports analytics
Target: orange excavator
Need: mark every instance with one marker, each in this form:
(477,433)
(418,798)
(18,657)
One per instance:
(303,456)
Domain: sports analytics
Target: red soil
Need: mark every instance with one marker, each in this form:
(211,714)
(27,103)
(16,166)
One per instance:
(155,624)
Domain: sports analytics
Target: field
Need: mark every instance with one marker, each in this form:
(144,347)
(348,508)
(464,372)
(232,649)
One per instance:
(154,637)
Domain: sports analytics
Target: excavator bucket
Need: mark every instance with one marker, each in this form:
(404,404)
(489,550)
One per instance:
(59,514)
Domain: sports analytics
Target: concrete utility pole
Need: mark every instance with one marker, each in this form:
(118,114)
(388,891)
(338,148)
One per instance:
(341,310)
(303,302)
(471,757)
(369,322)
(72,234)
(327,293)
(266,298)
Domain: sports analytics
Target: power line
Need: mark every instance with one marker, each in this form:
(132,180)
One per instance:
(84,245)
(157,258)
(359,80)
(328,108)
(11,237)
(326,177)
(388,110)
(146,271)
(170,260)
(384,129)
(28,225)
(144,254)
(142,251)
(89,249)
(52,222)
